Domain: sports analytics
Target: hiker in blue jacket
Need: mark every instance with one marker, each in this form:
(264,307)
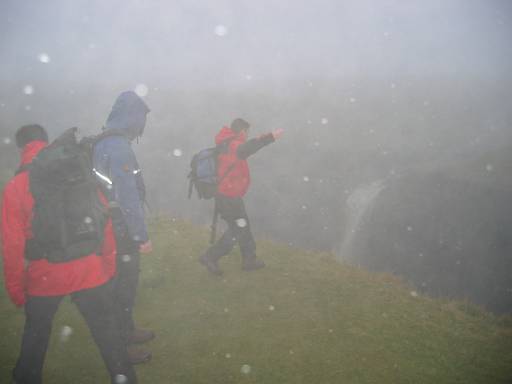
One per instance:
(116,166)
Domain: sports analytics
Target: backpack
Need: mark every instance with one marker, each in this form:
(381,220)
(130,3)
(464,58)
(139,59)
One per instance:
(68,216)
(203,171)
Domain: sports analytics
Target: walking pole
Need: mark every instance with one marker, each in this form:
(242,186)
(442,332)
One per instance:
(214,223)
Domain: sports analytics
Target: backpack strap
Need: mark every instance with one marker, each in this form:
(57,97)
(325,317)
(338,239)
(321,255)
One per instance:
(23,168)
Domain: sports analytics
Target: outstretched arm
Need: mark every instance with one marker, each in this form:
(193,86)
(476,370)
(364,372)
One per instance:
(254,145)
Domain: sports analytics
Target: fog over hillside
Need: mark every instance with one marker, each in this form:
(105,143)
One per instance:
(397,117)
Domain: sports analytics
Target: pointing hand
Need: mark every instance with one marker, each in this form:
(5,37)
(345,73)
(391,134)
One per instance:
(146,247)
(277,133)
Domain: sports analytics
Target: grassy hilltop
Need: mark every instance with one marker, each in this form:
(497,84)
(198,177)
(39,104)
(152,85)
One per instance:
(303,319)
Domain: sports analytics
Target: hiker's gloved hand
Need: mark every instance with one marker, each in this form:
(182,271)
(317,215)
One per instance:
(146,247)
(277,133)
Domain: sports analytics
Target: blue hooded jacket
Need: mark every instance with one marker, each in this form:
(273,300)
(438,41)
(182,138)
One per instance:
(116,165)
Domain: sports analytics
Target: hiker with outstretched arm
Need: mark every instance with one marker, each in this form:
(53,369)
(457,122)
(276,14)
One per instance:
(117,168)
(234,181)
(40,271)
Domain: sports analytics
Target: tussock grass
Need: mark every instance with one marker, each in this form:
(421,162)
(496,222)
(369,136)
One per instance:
(303,319)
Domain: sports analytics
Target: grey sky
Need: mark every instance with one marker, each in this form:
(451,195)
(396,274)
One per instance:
(164,42)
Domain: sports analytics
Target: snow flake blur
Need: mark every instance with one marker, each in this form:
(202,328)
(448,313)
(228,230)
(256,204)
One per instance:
(246,369)
(141,90)
(28,90)
(121,379)
(177,152)
(43,58)
(221,30)
(65,333)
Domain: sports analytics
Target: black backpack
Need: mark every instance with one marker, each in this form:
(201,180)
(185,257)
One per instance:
(68,215)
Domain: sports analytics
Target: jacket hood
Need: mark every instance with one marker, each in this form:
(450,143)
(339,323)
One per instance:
(30,151)
(128,115)
(227,133)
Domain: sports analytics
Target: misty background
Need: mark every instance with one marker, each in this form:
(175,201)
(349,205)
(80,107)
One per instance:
(397,116)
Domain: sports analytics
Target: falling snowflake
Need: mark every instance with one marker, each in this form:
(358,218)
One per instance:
(489,168)
(226,310)
(7,140)
(87,220)
(141,90)
(121,379)
(126,258)
(414,294)
(246,369)
(306,179)
(409,228)
(44,58)
(28,107)
(28,90)
(65,333)
(352,100)
(248,77)
(228,355)
(271,308)
(324,121)
(177,152)
(221,30)
(241,222)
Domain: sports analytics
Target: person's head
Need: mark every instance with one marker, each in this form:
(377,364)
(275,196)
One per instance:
(29,133)
(128,114)
(239,125)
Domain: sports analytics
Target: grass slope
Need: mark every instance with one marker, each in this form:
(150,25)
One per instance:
(303,319)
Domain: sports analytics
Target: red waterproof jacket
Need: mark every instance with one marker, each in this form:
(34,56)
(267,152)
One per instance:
(39,277)
(232,171)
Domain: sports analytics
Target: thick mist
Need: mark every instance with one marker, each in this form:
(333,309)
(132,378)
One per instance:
(397,146)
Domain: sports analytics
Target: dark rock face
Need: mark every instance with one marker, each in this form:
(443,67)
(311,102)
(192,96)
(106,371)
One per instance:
(449,237)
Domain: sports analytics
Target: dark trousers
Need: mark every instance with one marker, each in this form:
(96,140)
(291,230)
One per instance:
(232,211)
(95,305)
(126,280)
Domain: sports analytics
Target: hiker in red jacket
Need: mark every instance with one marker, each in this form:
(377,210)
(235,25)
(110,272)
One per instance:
(40,286)
(234,180)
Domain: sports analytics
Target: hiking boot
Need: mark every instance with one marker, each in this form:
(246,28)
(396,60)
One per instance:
(212,266)
(138,355)
(139,336)
(252,264)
